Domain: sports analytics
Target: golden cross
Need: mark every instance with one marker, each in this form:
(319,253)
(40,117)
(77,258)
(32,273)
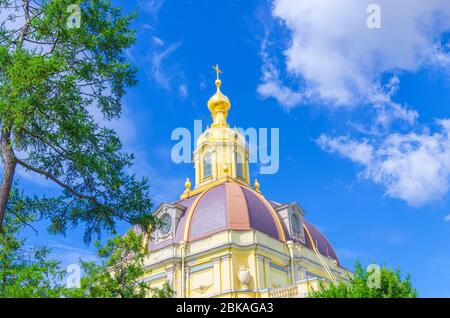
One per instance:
(218,71)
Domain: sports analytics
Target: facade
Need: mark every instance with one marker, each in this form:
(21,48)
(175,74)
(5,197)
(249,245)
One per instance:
(224,238)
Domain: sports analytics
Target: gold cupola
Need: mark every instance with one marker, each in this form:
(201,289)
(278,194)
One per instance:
(219,104)
(221,153)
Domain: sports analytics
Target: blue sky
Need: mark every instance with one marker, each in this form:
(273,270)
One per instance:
(363,117)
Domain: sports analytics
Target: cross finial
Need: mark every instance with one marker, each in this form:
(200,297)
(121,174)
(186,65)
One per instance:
(218,71)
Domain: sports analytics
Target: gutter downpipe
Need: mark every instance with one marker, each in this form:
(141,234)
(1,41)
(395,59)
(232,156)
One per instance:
(290,245)
(183,275)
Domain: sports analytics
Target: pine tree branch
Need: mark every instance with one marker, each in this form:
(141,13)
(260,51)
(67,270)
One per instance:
(57,181)
(25,222)
(70,188)
(57,148)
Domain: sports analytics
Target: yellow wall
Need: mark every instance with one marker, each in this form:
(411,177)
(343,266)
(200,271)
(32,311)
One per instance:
(212,265)
(223,147)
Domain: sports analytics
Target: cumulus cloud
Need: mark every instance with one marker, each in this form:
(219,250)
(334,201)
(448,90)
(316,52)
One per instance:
(414,167)
(333,58)
(340,61)
(272,85)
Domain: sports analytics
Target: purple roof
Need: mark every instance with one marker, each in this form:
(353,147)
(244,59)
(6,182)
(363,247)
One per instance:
(320,241)
(260,217)
(212,215)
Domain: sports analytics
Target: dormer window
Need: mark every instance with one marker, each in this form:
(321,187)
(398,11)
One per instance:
(296,227)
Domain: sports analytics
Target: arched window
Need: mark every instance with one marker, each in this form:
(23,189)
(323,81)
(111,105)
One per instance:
(239,166)
(207,165)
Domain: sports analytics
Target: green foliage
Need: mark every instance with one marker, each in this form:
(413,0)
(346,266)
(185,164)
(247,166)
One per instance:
(55,82)
(120,273)
(25,271)
(165,291)
(391,286)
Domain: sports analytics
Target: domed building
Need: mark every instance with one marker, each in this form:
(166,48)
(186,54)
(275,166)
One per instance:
(224,238)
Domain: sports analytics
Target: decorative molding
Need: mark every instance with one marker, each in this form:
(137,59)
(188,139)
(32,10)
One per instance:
(160,262)
(278,267)
(202,267)
(154,277)
(202,288)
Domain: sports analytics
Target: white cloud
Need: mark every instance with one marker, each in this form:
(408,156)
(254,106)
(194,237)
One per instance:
(388,110)
(285,96)
(68,252)
(414,167)
(158,72)
(168,75)
(447,218)
(157,41)
(152,7)
(183,90)
(347,254)
(272,86)
(202,84)
(340,61)
(360,152)
(332,58)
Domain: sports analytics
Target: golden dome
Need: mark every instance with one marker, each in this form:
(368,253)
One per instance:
(219,104)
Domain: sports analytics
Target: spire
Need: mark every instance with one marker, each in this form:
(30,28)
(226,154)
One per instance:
(219,104)
(221,154)
(218,71)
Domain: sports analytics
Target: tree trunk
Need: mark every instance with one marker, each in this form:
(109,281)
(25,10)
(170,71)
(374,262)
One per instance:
(9,167)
